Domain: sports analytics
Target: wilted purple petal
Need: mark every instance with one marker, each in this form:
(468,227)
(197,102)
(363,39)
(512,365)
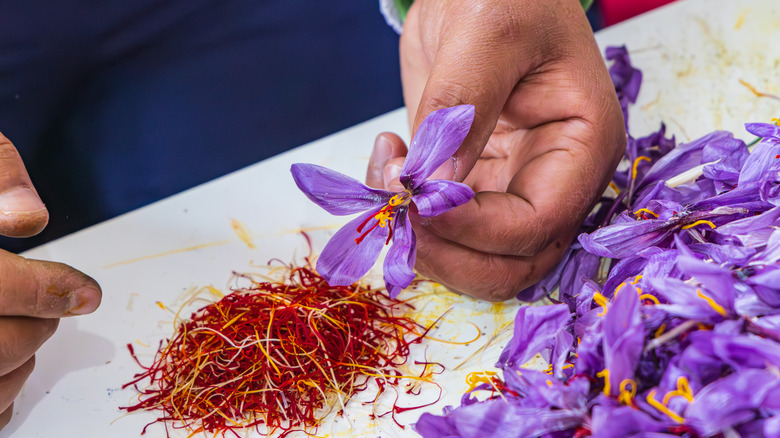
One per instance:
(624,239)
(343,262)
(760,161)
(434,197)
(625,78)
(752,230)
(499,419)
(731,400)
(437,138)
(623,337)
(622,421)
(766,130)
(689,301)
(535,330)
(399,261)
(771,427)
(539,389)
(582,266)
(338,194)
(685,156)
(725,158)
(658,191)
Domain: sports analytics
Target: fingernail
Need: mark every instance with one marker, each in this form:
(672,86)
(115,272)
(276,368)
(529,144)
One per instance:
(445,171)
(83,301)
(383,149)
(20,200)
(392,173)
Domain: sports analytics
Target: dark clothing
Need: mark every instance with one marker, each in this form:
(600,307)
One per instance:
(114,104)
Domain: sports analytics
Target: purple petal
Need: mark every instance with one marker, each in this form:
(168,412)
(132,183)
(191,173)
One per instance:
(439,136)
(625,239)
(497,418)
(343,262)
(684,300)
(763,130)
(399,261)
(731,400)
(434,197)
(623,337)
(682,158)
(760,161)
(536,328)
(622,421)
(338,194)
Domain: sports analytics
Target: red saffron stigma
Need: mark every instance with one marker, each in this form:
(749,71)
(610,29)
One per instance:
(276,356)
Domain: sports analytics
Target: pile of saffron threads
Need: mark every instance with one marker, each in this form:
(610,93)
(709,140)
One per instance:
(276,355)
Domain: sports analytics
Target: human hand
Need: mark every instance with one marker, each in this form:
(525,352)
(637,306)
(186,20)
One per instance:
(547,135)
(33,294)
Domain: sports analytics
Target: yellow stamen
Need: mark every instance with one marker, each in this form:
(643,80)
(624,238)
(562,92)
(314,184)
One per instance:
(160,305)
(549,383)
(637,278)
(620,286)
(683,390)
(775,120)
(568,365)
(549,369)
(602,301)
(636,163)
(383,216)
(715,306)
(615,187)
(627,395)
(662,408)
(477,378)
(699,222)
(605,374)
(649,297)
(660,330)
(396,200)
(644,210)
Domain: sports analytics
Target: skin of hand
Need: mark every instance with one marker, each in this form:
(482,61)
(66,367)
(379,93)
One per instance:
(547,136)
(34,294)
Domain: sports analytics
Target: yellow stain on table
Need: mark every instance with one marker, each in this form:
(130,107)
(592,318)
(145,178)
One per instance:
(243,232)
(165,253)
(740,19)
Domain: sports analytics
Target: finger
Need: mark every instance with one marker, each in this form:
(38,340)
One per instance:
(6,416)
(388,146)
(10,387)
(22,213)
(486,276)
(20,338)
(44,289)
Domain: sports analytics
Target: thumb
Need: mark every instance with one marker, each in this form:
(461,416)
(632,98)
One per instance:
(44,289)
(22,214)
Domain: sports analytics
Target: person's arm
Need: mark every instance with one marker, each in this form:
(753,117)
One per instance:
(33,294)
(547,135)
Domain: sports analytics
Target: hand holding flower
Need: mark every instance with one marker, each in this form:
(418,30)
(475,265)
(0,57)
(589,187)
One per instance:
(354,248)
(547,135)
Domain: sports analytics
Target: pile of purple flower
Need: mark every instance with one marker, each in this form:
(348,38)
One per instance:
(666,314)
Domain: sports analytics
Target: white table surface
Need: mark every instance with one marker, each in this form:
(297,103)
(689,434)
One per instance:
(693,54)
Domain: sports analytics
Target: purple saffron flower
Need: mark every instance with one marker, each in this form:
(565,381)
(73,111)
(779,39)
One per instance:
(623,338)
(537,328)
(732,400)
(625,77)
(352,251)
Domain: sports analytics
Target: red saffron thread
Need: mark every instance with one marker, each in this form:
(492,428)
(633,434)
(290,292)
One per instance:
(282,355)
